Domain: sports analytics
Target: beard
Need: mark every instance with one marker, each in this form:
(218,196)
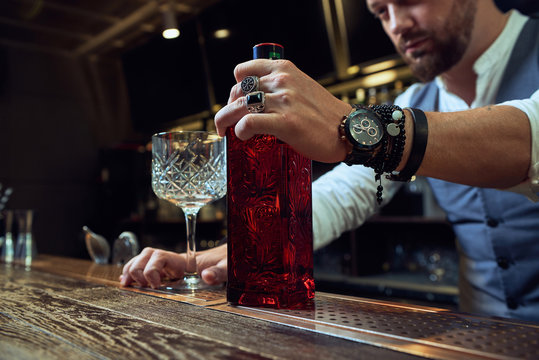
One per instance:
(449,42)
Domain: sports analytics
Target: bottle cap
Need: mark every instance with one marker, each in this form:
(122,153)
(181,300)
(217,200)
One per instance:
(268,51)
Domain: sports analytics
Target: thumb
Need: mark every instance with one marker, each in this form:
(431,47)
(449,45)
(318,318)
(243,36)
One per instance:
(215,274)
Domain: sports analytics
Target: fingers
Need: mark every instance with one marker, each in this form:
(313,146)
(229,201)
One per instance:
(236,92)
(248,124)
(270,73)
(151,266)
(133,270)
(258,67)
(229,115)
(217,274)
(254,124)
(212,265)
(250,68)
(275,76)
(163,264)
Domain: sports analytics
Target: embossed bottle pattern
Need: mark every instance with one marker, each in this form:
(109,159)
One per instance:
(269,219)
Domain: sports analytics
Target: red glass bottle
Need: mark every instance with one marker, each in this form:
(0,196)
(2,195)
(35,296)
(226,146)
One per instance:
(270,241)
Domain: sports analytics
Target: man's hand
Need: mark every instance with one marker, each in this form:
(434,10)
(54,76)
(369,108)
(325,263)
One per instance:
(151,266)
(298,110)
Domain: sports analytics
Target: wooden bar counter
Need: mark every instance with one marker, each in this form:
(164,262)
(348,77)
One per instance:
(63,308)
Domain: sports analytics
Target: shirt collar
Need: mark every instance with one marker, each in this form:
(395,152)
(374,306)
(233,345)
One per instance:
(499,49)
(503,45)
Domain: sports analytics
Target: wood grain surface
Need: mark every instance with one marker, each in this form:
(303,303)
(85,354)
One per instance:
(51,316)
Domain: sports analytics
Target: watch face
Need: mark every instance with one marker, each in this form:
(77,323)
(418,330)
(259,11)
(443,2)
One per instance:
(365,128)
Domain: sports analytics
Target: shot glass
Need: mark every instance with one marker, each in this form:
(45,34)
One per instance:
(25,250)
(6,237)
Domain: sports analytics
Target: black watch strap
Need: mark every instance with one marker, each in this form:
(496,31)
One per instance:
(357,156)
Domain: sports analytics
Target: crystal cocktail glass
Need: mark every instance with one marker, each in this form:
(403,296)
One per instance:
(189,170)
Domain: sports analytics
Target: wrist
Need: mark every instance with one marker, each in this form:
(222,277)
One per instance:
(345,146)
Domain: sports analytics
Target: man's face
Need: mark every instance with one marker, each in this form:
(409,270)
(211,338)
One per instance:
(430,35)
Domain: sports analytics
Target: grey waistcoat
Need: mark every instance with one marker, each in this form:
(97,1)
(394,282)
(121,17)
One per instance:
(497,231)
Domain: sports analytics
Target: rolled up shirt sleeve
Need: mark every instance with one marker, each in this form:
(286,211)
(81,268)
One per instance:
(530,107)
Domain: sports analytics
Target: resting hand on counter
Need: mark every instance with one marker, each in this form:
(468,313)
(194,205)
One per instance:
(151,266)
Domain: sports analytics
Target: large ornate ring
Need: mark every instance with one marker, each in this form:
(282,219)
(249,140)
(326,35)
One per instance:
(255,102)
(250,84)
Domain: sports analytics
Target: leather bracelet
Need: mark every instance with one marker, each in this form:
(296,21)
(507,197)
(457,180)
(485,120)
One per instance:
(421,133)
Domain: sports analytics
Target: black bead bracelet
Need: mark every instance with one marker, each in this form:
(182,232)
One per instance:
(419,146)
(394,139)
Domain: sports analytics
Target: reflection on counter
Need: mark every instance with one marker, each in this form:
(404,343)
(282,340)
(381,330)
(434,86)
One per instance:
(411,258)
(406,252)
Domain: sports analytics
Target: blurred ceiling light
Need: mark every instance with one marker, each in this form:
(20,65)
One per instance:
(221,33)
(383,65)
(352,70)
(381,78)
(171,33)
(170,25)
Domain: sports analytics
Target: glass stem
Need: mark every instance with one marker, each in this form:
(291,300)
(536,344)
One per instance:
(190,222)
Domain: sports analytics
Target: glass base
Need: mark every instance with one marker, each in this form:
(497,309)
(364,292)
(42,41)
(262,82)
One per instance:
(190,283)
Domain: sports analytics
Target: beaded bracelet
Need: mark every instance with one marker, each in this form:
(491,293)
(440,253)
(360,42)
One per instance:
(419,146)
(387,160)
(396,132)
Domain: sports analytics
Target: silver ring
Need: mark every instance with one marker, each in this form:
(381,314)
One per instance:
(250,84)
(255,102)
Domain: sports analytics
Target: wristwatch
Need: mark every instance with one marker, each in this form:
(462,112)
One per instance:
(376,137)
(364,129)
